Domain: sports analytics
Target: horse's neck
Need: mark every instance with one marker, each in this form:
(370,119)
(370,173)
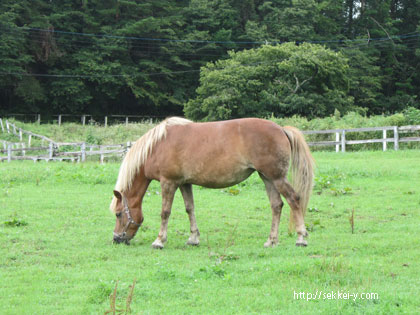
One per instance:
(138,188)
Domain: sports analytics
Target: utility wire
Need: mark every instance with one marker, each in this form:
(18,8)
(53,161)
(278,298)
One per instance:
(155,49)
(85,76)
(407,41)
(33,29)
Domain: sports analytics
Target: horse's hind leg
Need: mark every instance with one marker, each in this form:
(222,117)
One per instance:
(187,194)
(293,200)
(276,206)
(168,191)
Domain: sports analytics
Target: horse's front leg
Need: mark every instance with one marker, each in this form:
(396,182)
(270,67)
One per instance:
(168,191)
(187,194)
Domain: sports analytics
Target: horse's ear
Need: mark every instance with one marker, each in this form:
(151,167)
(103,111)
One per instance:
(117,194)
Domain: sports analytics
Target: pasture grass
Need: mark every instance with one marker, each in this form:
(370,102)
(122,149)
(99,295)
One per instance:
(56,255)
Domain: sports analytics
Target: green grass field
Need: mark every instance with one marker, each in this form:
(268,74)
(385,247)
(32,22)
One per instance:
(56,254)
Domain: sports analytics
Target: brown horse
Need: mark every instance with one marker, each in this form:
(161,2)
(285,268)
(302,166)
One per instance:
(179,153)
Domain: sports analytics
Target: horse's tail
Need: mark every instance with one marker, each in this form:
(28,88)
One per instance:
(302,169)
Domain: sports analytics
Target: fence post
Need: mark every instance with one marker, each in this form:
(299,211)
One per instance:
(83,149)
(23,149)
(396,138)
(7,126)
(106,121)
(14,129)
(126,121)
(20,134)
(1,123)
(343,140)
(337,139)
(9,152)
(29,140)
(59,120)
(51,150)
(384,142)
(83,120)
(39,119)
(102,155)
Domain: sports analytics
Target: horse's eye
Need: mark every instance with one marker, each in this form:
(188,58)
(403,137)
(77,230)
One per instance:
(118,214)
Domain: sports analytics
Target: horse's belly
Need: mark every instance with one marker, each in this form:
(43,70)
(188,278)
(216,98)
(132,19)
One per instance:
(219,179)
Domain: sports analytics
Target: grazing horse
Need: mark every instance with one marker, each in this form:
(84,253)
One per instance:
(180,153)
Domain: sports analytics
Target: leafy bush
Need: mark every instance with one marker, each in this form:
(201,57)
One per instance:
(286,79)
(412,116)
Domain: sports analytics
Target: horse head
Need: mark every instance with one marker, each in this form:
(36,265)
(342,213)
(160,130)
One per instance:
(128,220)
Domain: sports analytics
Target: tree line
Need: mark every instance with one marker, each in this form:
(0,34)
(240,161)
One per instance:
(209,59)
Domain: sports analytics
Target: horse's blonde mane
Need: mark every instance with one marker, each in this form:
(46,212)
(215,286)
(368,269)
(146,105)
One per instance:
(139,152)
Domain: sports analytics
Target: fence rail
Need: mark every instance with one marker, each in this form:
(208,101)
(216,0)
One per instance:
(342,142)
(80,151)
(87,118)
(54,152)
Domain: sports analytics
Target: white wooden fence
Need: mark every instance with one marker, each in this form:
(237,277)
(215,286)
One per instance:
(75,152)
(85,118)
(398,136)
(51,150)
(79,152)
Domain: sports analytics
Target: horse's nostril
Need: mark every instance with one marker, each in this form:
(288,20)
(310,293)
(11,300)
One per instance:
(117,240)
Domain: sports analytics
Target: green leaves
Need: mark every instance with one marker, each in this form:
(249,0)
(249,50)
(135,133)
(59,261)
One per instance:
(15,222)
(285,79)
(143,57)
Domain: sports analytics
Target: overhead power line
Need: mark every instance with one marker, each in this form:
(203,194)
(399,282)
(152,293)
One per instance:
(142,38)
(407,41)
(85,76)
(402,36)
(379,45)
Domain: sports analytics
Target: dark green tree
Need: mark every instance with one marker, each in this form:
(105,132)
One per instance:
(143,57)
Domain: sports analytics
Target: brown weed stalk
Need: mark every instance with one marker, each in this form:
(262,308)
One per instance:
(230,241)
(112,298)
(351,219)
(130,297)
(112,301)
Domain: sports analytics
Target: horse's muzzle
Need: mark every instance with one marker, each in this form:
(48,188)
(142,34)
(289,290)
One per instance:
(118,239)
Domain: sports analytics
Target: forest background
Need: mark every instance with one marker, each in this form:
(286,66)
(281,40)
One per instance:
(157,57)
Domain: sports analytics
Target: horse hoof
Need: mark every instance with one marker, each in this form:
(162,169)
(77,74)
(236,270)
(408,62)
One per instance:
(157,245)
(302,243)
(271,243)
(193,242)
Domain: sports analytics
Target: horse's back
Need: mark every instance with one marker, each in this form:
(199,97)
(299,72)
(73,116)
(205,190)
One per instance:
(244,137)
(222,153)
